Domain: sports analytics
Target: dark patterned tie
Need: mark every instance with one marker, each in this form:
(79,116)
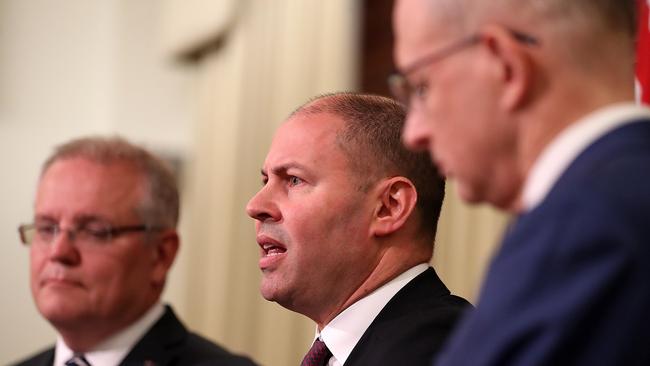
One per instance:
(77,360)
(318,354)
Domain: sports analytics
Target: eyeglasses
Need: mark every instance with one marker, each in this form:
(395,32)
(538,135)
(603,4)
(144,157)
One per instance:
(92,234)
(403,90)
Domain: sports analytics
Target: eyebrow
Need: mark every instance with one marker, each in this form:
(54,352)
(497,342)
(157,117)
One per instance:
(282,169)
(40,217)
(78,219)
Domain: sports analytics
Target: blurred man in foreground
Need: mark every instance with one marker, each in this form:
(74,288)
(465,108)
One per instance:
(528,105)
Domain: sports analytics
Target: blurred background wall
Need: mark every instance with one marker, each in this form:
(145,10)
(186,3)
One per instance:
(69,68)
(204,83)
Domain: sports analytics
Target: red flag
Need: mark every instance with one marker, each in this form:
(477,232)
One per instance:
(643,52)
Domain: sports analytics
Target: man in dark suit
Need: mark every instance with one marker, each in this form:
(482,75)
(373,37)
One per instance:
(101,244)
(529,105)
(345,222)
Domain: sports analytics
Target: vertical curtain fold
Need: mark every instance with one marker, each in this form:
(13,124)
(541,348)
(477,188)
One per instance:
(274,57)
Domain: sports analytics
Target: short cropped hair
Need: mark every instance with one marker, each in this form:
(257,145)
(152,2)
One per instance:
(617,16)
(579,22)
(160,206)
(371,141)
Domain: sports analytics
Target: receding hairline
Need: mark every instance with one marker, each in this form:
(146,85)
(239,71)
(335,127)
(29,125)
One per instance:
(324,105)
(160,202)
(318,104)
(370,139)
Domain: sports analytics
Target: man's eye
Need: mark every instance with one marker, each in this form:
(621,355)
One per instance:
(96,231)
(99,234)
(46,230)
(420,90)
(293,181)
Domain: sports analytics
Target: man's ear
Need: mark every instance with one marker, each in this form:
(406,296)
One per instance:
(396,199)
(514,69)
(164,253)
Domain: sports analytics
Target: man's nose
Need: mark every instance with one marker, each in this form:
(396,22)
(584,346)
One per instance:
(63,249)
(261,206)
(417,133)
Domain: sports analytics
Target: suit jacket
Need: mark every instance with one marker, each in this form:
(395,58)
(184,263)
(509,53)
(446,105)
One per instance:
(412,326)
(571,284)
(167,343)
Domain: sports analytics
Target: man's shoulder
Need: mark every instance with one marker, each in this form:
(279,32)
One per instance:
(169,342)
(426,294)
(197,350)
(604,188)
(424,307)
(42,358)
(614,162)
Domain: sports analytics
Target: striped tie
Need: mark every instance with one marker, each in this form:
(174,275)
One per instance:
(77,360)
(318,354)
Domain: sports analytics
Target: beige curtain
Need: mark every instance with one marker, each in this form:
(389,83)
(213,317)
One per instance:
(256,61)
(466,239)
(269,57)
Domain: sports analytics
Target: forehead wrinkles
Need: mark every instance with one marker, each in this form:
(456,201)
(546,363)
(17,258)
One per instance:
(305,138)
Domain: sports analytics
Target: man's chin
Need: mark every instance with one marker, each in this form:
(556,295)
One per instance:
(61,311)
(273,290)
(467,192)
(267,293)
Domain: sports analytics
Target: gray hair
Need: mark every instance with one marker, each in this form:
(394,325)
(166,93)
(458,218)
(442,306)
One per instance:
(160,206)
(612,16)
(577,28)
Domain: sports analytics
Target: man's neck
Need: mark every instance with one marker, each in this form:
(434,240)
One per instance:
(115,347)
(394,261)
(85,335)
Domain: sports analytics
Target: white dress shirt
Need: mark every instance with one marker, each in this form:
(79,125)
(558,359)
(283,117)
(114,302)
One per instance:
(565,148)
(113,350)
(343,332)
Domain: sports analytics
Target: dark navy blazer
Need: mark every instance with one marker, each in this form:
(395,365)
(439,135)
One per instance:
(571,282)
(167,343)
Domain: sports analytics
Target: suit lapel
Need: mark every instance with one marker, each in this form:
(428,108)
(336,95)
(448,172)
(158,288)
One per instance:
(409,300)
(155,348)
(627,139)
(47,359)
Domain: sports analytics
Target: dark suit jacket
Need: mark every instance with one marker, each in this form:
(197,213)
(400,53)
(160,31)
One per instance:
(571,284)
(412,326)
(167,343)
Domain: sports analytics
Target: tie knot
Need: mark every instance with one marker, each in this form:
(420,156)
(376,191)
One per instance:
(318,354)
(77,360)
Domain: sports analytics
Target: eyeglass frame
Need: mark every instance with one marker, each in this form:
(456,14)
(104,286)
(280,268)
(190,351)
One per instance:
(110,232)
(403,90)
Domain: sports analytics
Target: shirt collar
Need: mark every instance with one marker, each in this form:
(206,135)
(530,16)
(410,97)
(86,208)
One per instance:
(565,148)
(343,332)
(113,350)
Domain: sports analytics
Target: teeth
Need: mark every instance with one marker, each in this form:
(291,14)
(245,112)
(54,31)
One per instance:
(272,250)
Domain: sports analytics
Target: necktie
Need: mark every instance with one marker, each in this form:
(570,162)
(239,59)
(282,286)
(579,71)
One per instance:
(77,360)
(318,354)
